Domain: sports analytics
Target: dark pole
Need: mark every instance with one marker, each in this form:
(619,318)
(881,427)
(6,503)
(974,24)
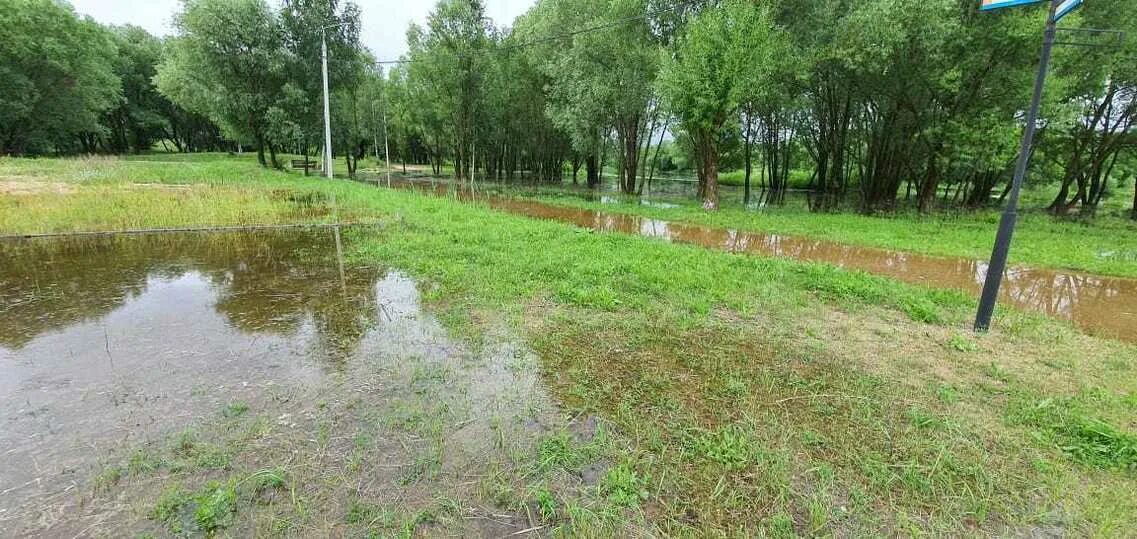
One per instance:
(1010,215)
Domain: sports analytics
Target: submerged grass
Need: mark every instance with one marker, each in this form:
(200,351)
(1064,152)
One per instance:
(734,395)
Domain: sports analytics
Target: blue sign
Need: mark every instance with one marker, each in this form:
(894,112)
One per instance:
(1065,8)
(988,5)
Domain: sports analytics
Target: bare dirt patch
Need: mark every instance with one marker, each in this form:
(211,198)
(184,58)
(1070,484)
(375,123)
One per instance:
(16,187)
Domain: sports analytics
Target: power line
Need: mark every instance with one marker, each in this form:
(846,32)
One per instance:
(597,28)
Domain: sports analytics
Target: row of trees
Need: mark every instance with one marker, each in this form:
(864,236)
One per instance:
(68,85)
(880,101)
(883,100)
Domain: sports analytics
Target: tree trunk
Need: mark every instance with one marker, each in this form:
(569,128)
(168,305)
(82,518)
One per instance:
(926,199)
(746,156)
(1135,197)
(709,153)
(592,170)
(260,151)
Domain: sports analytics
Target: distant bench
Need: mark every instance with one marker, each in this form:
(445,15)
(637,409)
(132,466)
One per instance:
(303,164)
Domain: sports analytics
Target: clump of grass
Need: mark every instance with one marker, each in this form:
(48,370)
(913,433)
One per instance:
(216,506)
(624,487)
(367,514)
(235,409)
(732,446)
(546,504)
(960,343)
(1087,439)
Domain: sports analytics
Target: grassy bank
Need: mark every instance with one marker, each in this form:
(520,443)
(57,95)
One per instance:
(1107,245)
(738,395)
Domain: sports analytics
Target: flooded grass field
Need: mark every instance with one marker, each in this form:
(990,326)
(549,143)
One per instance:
(147,377)
(480,369)
(1101,305)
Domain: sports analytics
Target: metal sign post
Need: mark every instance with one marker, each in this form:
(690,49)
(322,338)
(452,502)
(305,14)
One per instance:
(998,264)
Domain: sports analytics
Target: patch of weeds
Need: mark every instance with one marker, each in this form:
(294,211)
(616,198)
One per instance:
(732,386)
(922,310)
(781,525)
(425,467)
(185,442)
(210,509)
(923,419)
(143,462)
(210,457)
(1088,440)
(108,477)
(731,446)
(170,509)
(265,481)
(427,374)
(960,343)
(624,487)
(947,393)
(810,438)
(216,506)
(994,370)
(546,505)
(362,440)
(555,452)
(195,454)
(366,514)
(235,409)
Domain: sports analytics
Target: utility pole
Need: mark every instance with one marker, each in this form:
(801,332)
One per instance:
(1006,233)
(327,105)
(386,144)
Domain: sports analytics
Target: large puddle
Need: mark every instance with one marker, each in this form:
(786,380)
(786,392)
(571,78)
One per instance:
(108,344)
(1100,305)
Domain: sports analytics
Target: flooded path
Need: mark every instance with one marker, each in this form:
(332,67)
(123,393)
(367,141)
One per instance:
(1099,305)
(109,344)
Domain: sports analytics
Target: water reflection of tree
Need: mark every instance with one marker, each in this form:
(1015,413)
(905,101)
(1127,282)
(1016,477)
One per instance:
(267,282)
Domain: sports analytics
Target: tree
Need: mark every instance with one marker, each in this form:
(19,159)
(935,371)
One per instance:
(56,78)
(137,122)
(447,62)
(228,63)
(601,81)
(721,54)
(301,23)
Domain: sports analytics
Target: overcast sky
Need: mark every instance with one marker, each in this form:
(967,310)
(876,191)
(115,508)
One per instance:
(384,21)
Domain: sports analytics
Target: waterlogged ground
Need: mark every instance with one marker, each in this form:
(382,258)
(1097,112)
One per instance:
(718,394)
(1100,305)
(250,382)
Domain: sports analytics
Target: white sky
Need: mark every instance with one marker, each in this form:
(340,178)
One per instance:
(385,22)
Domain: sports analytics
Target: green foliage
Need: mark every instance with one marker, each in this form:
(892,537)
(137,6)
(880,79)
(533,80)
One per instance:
(732,446)
(235,409)
(228,63)
(723,56)
(57,77)
(624,487)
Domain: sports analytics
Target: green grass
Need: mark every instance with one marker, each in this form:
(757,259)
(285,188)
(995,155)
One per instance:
(738,395)
(1106,245)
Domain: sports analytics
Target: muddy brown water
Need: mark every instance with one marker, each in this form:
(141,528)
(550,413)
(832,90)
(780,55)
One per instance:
(1100,305)
(112,343)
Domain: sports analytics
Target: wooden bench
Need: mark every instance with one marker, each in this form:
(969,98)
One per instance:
(303,164)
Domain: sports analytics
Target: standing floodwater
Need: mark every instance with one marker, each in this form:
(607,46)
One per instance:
(110,345)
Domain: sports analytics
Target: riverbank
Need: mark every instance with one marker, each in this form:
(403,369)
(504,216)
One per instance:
(737,394)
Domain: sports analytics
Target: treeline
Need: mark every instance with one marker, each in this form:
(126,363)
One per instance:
(69,85)
(881,103)
(886,101)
